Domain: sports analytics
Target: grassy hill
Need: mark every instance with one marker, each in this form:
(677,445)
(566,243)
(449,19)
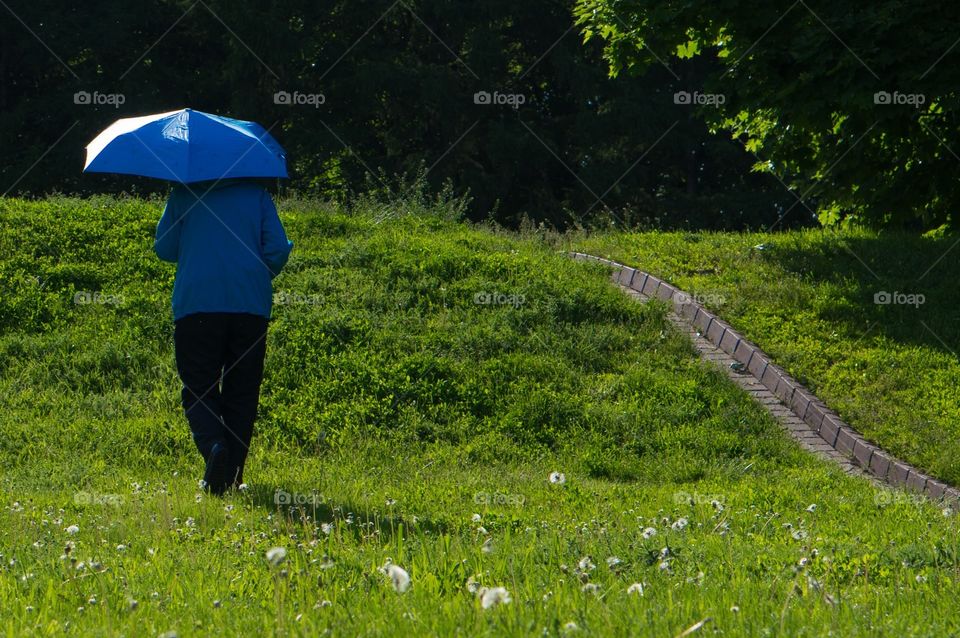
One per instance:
(424,379)
(810,300)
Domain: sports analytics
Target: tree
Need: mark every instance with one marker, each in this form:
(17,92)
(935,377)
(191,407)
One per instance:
(855,109)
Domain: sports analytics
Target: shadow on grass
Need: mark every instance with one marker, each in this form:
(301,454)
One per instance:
(314,509)
(880,280)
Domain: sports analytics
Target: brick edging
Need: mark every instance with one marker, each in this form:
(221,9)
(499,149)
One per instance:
(803,403)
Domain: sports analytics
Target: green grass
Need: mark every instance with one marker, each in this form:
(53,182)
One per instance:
(402,410)
(807,299)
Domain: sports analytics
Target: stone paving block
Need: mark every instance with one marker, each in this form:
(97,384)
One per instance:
(758,365)
(729,341)
(898,473)
(814,416)
(744,351)
(626,275)
(862,452)
(650,286)
(829,430)
(916,481)
(665,291)
(683,306)
(846,439)
(639,280)
(715,331)
(771,377)
(935,489)
(880,464)
(799,401)
(784,390)
(703,320)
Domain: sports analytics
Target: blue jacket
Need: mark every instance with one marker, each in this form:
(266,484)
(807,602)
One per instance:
(228,245)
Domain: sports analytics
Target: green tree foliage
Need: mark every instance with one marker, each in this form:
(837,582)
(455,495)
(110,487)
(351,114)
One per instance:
(400,81)
(853,106)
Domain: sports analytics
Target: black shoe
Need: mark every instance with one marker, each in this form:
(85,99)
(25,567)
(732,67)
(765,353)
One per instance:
(217,475)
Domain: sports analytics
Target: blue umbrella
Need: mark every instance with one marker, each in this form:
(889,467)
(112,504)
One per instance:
(186,146)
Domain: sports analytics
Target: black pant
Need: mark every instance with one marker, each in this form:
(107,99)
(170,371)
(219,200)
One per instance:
(220,361)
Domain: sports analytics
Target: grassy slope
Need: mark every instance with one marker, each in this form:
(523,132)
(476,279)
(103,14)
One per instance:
(404,405)
(807,299)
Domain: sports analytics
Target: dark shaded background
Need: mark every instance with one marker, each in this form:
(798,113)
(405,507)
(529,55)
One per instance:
(398,80)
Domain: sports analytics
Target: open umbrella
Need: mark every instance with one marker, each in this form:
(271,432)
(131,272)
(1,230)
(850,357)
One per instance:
(186,146)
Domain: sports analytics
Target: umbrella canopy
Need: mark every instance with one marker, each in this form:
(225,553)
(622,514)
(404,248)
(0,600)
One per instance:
(186,146)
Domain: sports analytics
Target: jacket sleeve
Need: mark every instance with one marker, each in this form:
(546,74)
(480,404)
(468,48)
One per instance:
(273,239)
(167,241)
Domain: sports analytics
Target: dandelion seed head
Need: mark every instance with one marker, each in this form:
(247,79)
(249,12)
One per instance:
(276,555)
(398,577)
(493,596)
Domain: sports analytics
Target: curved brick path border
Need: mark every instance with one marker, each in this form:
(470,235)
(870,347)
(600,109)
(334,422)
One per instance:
(807,418)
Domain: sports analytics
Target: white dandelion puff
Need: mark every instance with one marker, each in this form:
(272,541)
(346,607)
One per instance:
(398,577)
(494,596)
(73,529)
(276,555)
(558,478)
(679,524)
(472,585)
(636,588)
(649,532)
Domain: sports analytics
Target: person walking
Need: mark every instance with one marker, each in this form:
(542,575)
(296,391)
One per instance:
(229,244)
